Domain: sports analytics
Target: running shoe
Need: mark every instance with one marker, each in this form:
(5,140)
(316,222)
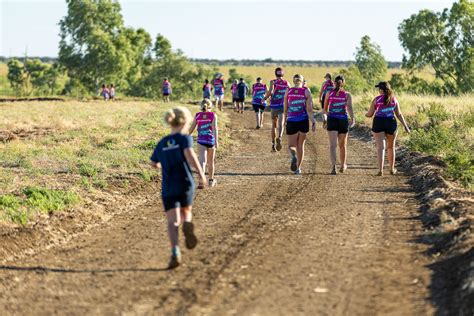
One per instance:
(258,127)
(298,172)
(175,261)
(201,185)
(212,182)
(278,144)
(333,171)
(343,168)
(393,171)
(380,174)
(190,239)
(273,147)
(293,165)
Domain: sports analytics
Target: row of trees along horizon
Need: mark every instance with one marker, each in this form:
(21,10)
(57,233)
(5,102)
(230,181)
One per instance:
(95,48)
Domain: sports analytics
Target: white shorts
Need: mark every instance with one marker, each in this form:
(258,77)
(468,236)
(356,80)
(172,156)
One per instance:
(219,97)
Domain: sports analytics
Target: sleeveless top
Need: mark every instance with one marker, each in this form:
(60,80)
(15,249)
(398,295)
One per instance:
(280,88)
(337,105)
(206,91)
(205,128)
(385,110)
(166,87)
(328,85)
(258,93)
(218,86)
(297,104)
(234,89)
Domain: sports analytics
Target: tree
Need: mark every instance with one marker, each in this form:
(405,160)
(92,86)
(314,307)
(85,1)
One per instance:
(444,41)
(355,82)
(370,61)
(95,47)
(162,47)
(16,75)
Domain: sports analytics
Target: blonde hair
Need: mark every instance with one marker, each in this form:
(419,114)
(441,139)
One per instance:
(299,77)
(206,105)
(177,116)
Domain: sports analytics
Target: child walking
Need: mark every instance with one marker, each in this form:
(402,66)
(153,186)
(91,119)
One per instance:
(174,154)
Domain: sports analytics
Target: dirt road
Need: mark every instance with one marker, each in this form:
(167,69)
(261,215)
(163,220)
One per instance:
(271,243)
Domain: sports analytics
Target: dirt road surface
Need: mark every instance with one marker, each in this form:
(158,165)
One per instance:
(271,243)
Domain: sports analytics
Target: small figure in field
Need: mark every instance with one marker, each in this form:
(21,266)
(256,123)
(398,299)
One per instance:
(298,111)
(166,90)
(327,86)
(259,90)
(337,104)
(175,156)
(277,90)
(219,88)
(207,139)
(384,126)
(206,90)
(233,89)
(242,91)
(105,93)
(112,92)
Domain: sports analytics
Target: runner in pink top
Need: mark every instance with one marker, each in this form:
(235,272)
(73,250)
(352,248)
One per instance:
(207,139)
(233,89)
(259,90)
(166,90)
(219,88)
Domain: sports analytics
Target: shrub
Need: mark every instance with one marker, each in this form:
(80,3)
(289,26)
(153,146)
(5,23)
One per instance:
(47,200)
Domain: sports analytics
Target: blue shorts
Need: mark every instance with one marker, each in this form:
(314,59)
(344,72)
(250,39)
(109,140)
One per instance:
(182,200)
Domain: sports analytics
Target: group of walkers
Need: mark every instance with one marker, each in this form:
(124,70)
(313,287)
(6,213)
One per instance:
(291,108)
(108,92)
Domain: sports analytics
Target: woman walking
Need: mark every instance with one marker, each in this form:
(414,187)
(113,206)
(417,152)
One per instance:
(207,140)
(337,104)
(166,90)
(384,126)
(298,110)
(259,90)
(174,154)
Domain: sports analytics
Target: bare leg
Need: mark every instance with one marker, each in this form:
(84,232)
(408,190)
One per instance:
(257,117)
(342,141)
(293,144)
(333,147)
(274,126)
(391,150)
(211,154)
(261,118)
(186,214)
(173,218)
(202,156)
(380,141)
(280,125)
(221,105)
(300,148)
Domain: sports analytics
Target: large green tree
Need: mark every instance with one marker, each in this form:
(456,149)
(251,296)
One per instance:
(370,61)
(95,47)
(444,41)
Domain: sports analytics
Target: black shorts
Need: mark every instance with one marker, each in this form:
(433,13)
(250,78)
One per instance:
(234,99)
(388,125)
(298,126)
(339,125)
(183,200)
(258,108)
(240,100)
(206,145)
(165,94)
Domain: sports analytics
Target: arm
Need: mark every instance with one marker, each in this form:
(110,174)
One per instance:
(309,109)
(269,91)
(371,111)
(350,110)
(155,165)
(321,92)
(193,126)
(326,105)
(400,116)
(285,106)
(216,131)
(190,156)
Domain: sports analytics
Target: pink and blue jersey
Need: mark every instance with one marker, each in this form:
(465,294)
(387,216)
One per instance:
(297,104)
(218,86)
(205,128)
(234,90)
(166,87)
(384,110)
(328,85)
(337,104)
(280,87)
(258,93)
(206,91)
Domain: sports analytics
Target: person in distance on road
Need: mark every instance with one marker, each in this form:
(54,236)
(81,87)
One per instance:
(112,92)
(298,111)
(259,90)
(327,86)
(242,91)
(175,156)
(337,104)
(166,90)
(206,90)
(384,126)
(234,95)
(219,89)
(105,93)
(277,90)
(207,139)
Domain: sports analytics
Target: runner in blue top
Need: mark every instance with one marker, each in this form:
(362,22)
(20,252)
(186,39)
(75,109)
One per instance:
(174,154)
(242,91)
(259,90)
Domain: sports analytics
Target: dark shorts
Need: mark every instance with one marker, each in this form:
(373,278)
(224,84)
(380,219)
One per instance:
(206,145)
(258,108)
(165,94)
(388,125)
(234,99)
(298,126)
(339,125)
(241,100)
(183,200)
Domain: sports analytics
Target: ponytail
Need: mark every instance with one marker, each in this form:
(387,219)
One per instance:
(388,94)
(177,116)
(339,83)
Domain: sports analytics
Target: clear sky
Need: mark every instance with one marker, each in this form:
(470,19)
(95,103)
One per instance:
(312,30)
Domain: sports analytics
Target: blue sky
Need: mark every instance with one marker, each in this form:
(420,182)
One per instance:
(313,30)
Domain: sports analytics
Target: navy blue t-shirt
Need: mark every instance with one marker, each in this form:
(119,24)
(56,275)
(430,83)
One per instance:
(242,90)
(177,177)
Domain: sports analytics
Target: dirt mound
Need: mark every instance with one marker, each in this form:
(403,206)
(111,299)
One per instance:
(10,135)
(29,99)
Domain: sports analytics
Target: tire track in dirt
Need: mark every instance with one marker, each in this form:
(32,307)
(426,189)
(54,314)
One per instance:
(270,244)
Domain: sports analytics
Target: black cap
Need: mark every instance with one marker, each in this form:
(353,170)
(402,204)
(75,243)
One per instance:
(382,85)
(258,78)
(339,78)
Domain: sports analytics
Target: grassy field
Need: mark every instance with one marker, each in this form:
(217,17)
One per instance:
(56,154)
